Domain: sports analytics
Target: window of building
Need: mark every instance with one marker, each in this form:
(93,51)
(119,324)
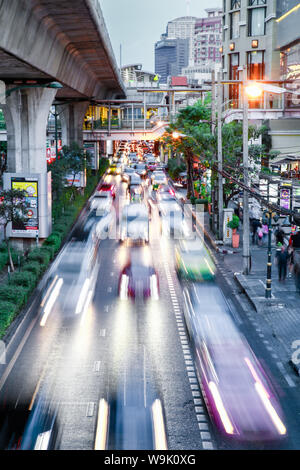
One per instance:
(290,70)
(234,25)
(256,65)
(257,2)
(234,61)
(256,23)
(235,4)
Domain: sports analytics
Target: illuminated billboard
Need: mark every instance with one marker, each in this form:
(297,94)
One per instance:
(31,222)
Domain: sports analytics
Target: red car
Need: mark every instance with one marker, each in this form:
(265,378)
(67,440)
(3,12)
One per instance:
(138,281)
(108,187)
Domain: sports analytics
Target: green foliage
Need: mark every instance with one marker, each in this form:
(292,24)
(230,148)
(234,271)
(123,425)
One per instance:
(34,267)
(3,260)
(14,294)
(8,312)
(53,240)
(48,249)
(193,124)
(174,169)
(39,256)
(23,279)
(234,223)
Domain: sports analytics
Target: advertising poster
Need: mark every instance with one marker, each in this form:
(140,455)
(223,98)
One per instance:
(31,223)
(285,198)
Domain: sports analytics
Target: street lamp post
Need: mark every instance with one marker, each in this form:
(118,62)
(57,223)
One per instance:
(269,264)
(246,224)
(220,159)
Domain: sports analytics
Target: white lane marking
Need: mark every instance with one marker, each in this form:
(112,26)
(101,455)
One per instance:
(289,380)
(103,332)
(90,409)
(199,409)
(207,445)
(197,401)
(106,308)
(205,436)
(97,365)
(203,426)
(201,418)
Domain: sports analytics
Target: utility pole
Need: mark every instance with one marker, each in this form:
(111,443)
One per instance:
(213,125)
(213,102)
(246,225)
(220,158)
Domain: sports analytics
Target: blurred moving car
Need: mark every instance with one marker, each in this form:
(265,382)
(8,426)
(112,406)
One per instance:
(158,178)
(134,224)
(133,415)
(136,193)
(112,169)
(138,281)
(102,203)
(127,172)
(140,169)
(174,226)
(107,187)
(42,430)
(119,168)
(193,262)
(166,202)
(239,396)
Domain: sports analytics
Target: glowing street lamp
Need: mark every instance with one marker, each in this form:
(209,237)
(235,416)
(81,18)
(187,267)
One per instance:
(175,135)
(253,91)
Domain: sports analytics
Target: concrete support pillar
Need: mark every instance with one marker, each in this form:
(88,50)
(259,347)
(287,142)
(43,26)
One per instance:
(26,113)
(72,118)
(109,148)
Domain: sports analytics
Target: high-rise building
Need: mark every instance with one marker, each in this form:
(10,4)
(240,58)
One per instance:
(208,38)
(171,55)
(249,39)
(183,28)
(201,46)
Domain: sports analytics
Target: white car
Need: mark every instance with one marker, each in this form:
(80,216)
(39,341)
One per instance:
(102,203)
(135,223)
(159,178)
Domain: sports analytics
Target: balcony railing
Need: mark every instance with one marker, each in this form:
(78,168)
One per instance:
(267,102)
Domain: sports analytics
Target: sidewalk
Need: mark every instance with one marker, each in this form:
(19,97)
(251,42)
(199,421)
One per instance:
(282,311)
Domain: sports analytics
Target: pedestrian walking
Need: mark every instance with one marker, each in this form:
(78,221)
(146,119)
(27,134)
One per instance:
(279,234)
(265,231)
(296,270)
(281,259)
(255,224)
(294,241)
(260,235)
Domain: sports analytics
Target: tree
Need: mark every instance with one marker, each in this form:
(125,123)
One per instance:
(194,123)
(74,160)
(71,161)
(13,208)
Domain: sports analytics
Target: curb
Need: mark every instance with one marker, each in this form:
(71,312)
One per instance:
(241,284)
